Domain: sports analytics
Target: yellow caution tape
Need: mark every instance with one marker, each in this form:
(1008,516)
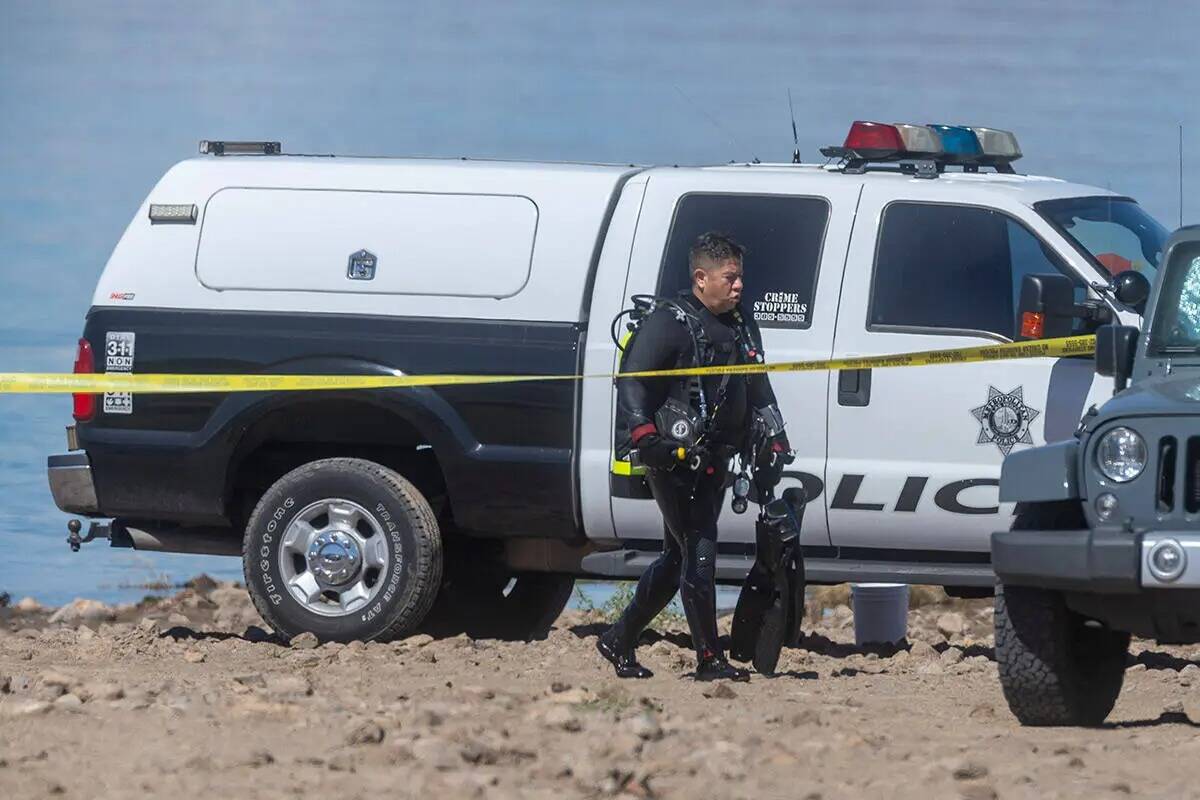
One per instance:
(118,382)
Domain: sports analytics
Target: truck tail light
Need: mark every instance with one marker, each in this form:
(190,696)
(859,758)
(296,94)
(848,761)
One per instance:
(1033,324)
(85,364)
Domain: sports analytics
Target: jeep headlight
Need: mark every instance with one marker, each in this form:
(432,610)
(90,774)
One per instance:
(1121,454)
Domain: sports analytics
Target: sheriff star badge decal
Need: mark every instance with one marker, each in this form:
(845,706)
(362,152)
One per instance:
(1004,419)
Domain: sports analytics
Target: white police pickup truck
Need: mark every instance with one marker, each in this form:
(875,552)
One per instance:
(355,510)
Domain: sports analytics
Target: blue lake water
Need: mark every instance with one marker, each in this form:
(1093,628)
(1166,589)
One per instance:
(37,560)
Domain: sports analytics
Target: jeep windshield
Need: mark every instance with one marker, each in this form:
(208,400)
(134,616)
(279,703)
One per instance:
(1176,326)
(1114,233)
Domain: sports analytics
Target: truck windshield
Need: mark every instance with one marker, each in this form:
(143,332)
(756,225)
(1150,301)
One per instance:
(1177,318)
(1114,233)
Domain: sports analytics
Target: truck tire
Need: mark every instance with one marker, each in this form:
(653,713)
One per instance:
(1055,668)
(478,605)
(345,549)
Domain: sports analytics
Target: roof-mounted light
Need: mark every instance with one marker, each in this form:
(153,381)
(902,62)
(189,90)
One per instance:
(209,148)
(997,143)
(874,140)
(919,140)
(177,213)
(957,141)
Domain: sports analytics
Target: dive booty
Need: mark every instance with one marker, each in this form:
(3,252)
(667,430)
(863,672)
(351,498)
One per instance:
(771,604)
(718,669)
(623,659)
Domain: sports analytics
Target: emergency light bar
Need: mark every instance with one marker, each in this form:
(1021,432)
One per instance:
(918,145)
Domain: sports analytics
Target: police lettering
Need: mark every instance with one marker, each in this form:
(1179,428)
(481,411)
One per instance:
(846,495)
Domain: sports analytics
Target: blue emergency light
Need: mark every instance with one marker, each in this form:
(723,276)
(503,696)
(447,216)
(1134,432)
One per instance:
(957,140)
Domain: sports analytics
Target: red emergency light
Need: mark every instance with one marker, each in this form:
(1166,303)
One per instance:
(874,139)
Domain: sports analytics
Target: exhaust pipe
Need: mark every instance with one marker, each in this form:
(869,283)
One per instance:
(209,541)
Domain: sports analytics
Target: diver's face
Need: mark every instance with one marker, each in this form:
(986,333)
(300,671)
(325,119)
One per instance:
(718,284)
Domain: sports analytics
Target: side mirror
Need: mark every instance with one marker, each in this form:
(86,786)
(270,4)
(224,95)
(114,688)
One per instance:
(1047,307)
(1132,289)
(1116,346)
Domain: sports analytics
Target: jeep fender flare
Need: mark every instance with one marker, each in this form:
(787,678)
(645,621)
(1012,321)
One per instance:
(1042,474)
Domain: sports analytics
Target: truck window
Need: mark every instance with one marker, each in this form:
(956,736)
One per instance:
(954,268)
(782,235)
(1114,233)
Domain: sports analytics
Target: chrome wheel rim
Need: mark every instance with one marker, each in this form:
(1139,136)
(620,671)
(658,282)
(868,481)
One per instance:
(333,557)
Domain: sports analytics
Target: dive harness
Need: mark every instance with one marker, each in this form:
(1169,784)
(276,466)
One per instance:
(676,420)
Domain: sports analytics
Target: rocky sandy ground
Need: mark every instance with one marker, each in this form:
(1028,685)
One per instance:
(190,696)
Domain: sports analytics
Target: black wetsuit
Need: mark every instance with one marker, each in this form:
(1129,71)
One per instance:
(690,500)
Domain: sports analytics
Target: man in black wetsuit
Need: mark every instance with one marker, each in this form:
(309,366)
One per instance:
(705,328)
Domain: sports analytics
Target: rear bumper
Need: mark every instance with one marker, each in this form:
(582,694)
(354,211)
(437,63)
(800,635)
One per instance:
(1074,560)
(71,483)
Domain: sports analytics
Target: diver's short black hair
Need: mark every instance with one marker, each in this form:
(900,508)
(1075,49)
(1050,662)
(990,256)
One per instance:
(714,247)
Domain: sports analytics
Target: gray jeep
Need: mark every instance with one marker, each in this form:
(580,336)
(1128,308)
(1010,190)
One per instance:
(1106,538)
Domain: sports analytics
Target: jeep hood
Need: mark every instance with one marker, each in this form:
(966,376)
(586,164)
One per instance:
(1171,394)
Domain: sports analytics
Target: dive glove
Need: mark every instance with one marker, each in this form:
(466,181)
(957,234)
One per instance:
(772,458)
(657,452)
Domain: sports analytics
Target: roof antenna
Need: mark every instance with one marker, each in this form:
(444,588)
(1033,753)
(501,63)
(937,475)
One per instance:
(1181,174)
(795,136)
(710,118)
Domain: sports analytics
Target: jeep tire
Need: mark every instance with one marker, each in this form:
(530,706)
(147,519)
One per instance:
(345,549)
(1056,667)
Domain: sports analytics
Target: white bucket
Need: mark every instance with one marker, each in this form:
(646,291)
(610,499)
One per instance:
(880,612)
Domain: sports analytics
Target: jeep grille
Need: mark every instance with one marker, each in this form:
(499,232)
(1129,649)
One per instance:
(1191,502)
(1168,470)
(1165,494)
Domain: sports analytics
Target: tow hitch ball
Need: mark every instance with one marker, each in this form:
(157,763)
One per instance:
(95,531)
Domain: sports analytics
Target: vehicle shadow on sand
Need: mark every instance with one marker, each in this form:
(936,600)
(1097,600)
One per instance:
(1156,660)
(812,642)
(253,634)
(1165,718)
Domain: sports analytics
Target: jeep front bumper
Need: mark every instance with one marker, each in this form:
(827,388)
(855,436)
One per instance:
(71,483)
(1083,560)
(1096,561)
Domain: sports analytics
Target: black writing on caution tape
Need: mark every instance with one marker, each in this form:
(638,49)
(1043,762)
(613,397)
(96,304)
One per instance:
(55,383)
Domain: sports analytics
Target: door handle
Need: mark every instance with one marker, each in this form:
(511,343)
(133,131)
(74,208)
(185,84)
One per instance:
(854,387)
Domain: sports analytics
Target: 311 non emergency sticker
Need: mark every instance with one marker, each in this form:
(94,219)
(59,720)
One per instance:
(118,357)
